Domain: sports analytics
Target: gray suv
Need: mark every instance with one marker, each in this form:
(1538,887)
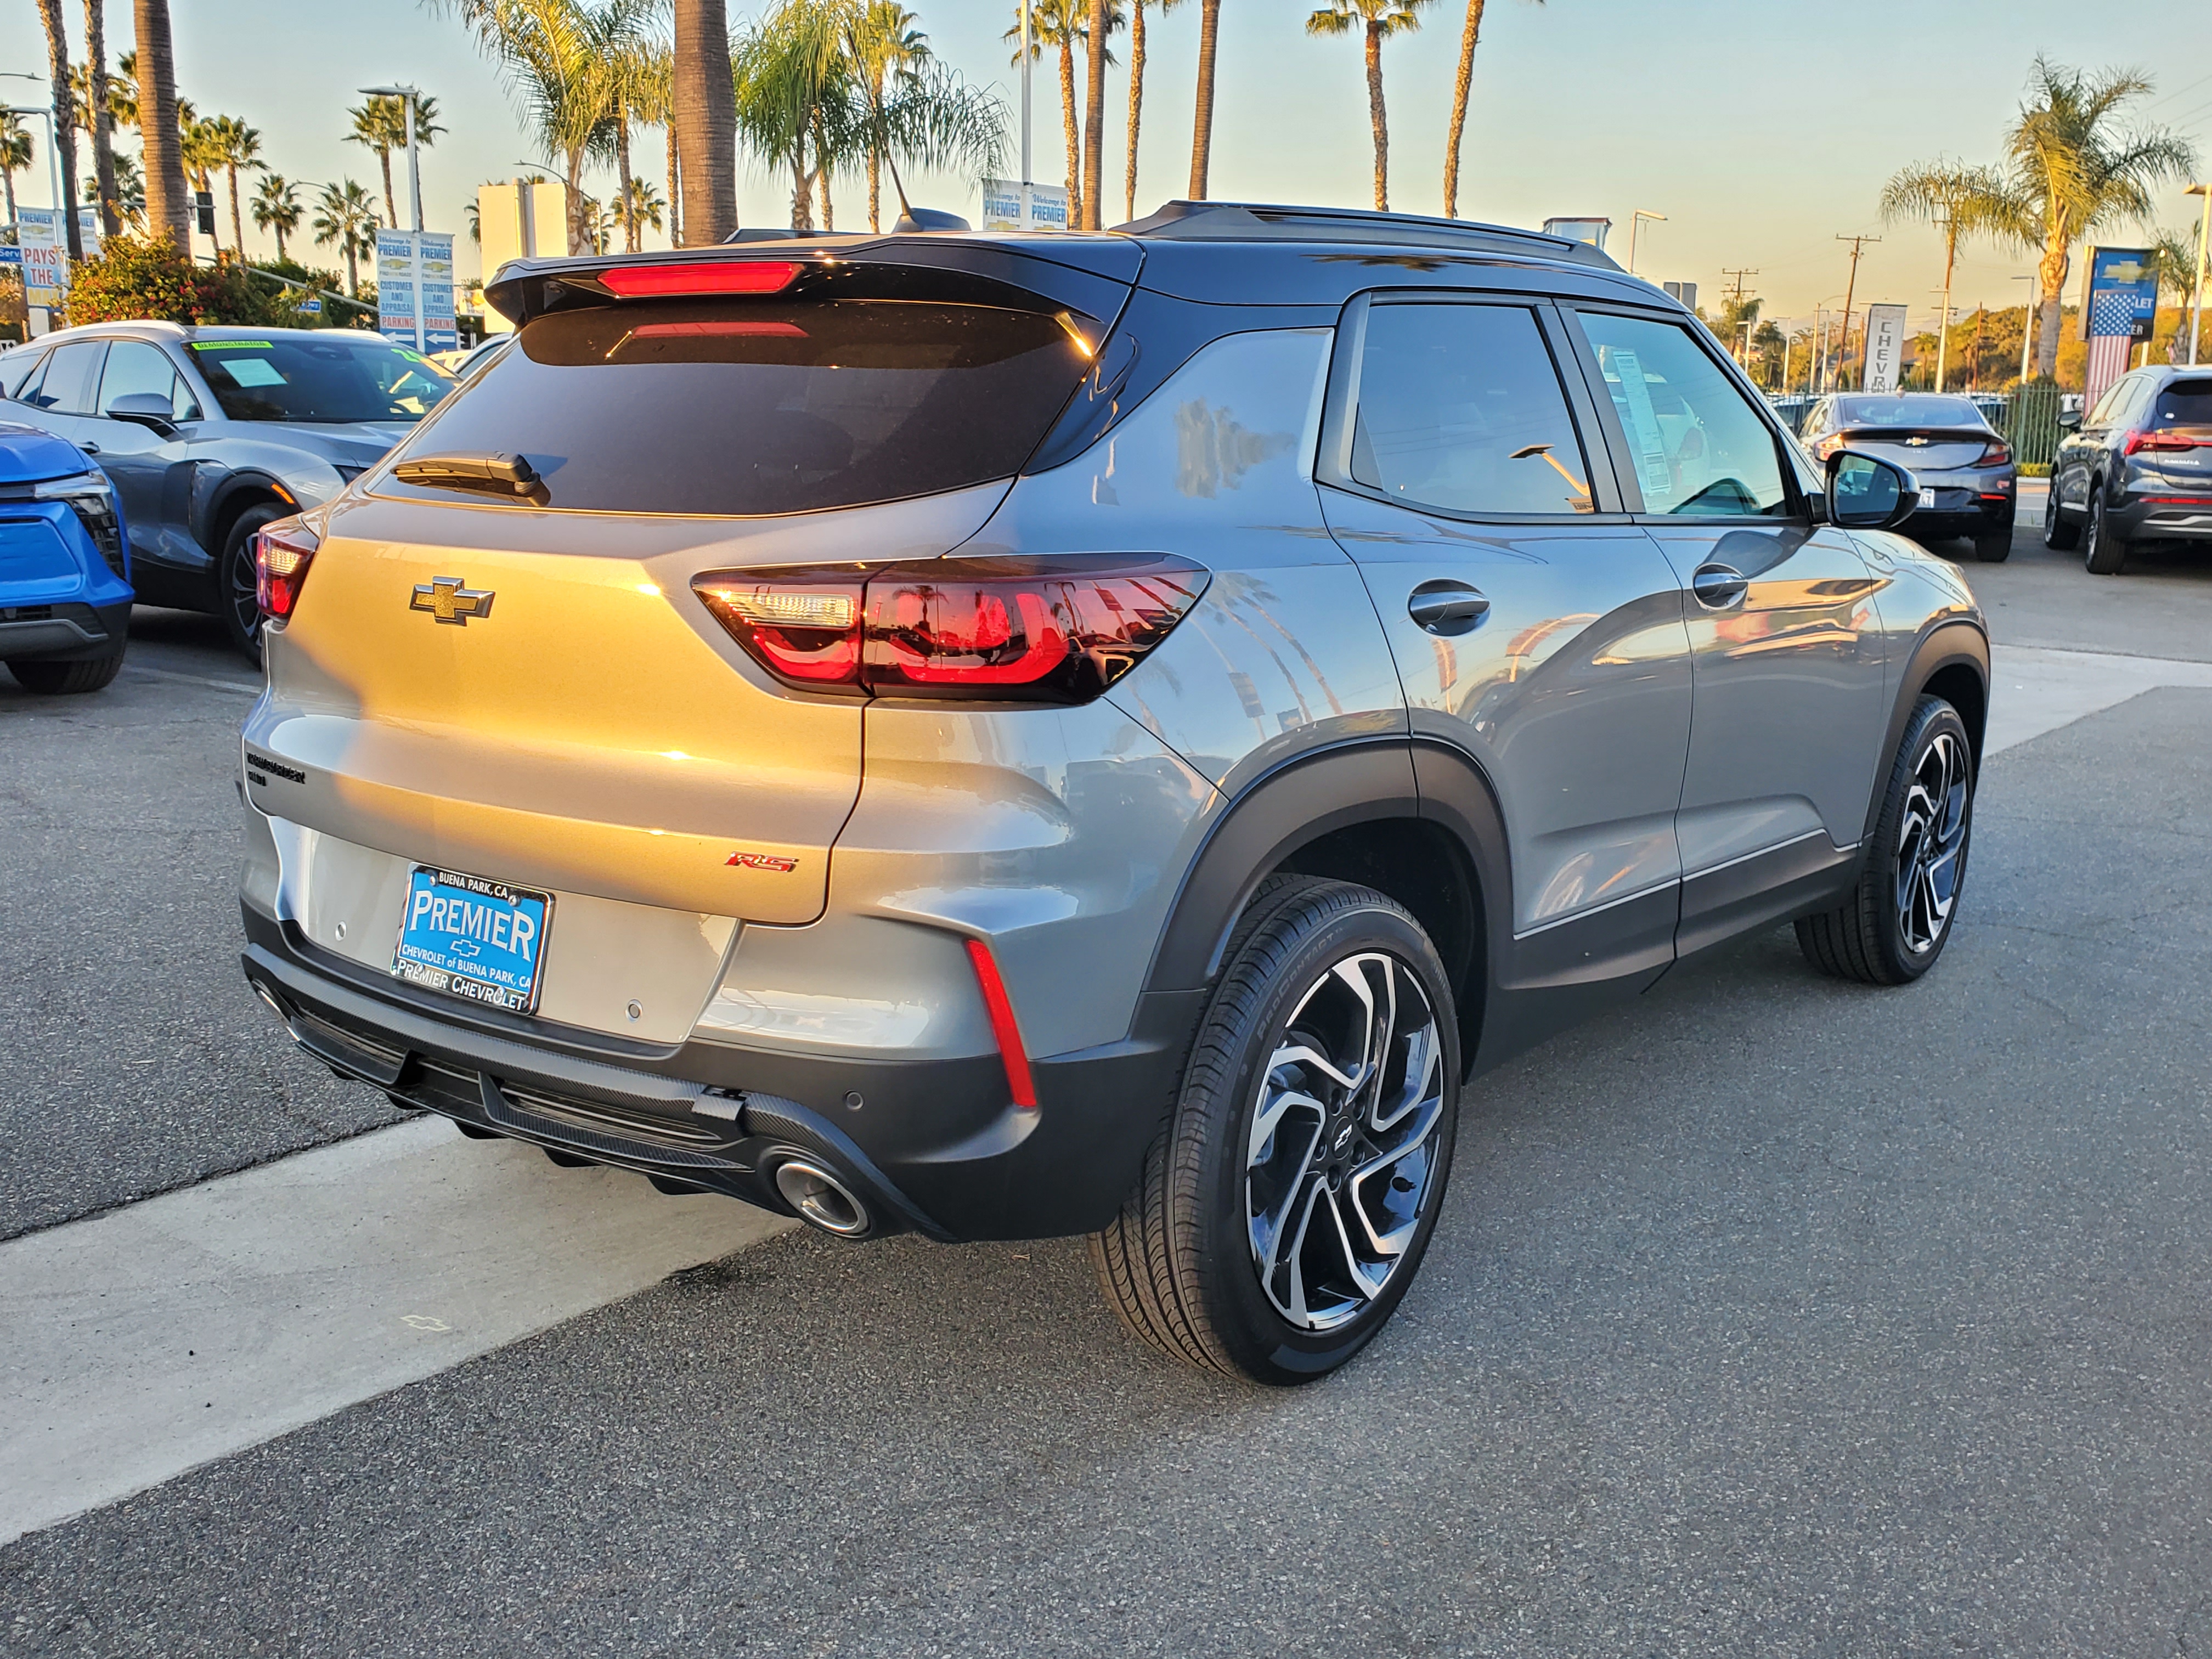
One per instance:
(1000,736)
(2136,468)
(208,434)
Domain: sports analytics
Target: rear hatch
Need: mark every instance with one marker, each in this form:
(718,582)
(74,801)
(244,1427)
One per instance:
(2174,449)
(517,682)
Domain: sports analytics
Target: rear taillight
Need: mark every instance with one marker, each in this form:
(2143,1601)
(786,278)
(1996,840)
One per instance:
(2139,441)
(281,553)
(1995,453)
(1827,446)
(1038,630)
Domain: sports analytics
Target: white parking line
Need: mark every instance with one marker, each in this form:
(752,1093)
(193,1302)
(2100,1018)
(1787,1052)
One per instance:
(141,1343)
(191,679)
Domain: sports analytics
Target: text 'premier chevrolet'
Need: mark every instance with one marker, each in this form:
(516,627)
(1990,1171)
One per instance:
(999,737)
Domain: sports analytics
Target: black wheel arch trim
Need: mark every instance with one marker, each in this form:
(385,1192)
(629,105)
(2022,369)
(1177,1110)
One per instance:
(1948,642)
(214,508)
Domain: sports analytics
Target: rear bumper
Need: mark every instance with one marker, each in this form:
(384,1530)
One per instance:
(933,1146)
(62,633)
(2134,519)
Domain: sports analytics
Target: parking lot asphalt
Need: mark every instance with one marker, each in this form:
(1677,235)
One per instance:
(1771,1315)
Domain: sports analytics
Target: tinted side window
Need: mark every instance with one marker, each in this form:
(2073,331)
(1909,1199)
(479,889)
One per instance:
(19,372)
(133,366)
(70,375)
(1698,448)
(2109,406)
(2183,403)
(1460,409)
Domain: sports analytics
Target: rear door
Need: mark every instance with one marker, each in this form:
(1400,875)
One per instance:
(1785,640)
(1534,626)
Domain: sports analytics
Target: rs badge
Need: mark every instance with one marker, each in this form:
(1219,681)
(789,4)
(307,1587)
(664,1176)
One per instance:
(451,599)
(782,866)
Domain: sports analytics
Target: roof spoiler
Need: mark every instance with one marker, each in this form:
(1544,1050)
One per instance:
(1244,221)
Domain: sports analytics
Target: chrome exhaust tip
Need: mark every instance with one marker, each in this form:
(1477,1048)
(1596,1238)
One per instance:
(820,1199)
(269,996)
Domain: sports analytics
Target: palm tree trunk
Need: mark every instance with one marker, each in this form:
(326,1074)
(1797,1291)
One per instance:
(1460,88)
(705,104)
(279,229)
(391,201)
(1136,102)
(822,172)
(65,129)
(802,186)
(579,236)
(11,196)
(1067,132)
(353,272)
(875,154)
(675,187)
(1377,119)
(1202,136)
(2053,270)
(621,176)
(168,209)
(1094,121)
(103,118)
(237,224)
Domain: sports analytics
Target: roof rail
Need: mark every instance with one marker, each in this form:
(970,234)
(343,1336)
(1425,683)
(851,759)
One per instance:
(1239,221)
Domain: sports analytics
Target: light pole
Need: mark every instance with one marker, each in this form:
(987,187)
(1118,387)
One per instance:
(1028,47)
(408,95)
(53,149)
(1635,223)
(2203,237)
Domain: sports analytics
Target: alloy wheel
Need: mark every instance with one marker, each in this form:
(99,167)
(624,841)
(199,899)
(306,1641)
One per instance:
(1340,1157)
(241,591)
(1932,839)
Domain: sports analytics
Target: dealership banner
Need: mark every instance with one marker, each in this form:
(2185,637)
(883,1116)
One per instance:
(1010,206)
(2119,304)
(414,289)
(1885,348)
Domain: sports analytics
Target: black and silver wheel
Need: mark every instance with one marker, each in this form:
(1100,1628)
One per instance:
(1896,922)
(2102,552)
(238,583)
(1287,1205)
(2057,535)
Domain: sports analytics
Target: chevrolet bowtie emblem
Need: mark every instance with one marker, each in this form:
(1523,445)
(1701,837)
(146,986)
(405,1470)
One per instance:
(450,599)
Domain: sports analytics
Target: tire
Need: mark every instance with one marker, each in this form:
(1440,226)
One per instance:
(1994,548)
(1899,916)
(2103,553)
(58,679)
(2058,535)
(237,600)
(1184,1263)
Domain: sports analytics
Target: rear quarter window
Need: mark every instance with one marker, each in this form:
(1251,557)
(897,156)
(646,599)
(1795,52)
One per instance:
(2184,403)
(737,410)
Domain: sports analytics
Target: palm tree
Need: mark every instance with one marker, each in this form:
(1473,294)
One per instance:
(203,151)
(1375,20)
(1095,26)
(638,88)
(2073,171)
(122,83)
(346,214)
(1460,88)
(703,107)
(238,146)
(1958,201)
(168,208)
(1201,137)
(102,116)
(277,207)
(131,192)
(381,125)
(1064,25)
(887,43)
(16,154)
(64,132)
(642,210)
(1137,93)
(793,90)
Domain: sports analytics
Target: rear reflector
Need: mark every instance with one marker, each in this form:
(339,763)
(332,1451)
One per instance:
(720,277)
(281,553)
(1004,1032)
(1040,630)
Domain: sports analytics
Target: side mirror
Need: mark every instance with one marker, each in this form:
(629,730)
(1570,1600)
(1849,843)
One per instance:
(147,409)
(2069,420)
(1867,493)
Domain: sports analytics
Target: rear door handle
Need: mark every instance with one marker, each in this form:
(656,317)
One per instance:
(1717,586)
(1446,608)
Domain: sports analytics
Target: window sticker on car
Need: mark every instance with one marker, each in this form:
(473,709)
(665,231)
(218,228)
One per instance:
(252,370)
(233,345)
(1652,471)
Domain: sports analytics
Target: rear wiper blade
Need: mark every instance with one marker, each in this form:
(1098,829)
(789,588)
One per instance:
(493,473)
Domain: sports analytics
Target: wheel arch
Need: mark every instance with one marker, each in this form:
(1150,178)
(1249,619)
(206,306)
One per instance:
(235,493)
(1951,661)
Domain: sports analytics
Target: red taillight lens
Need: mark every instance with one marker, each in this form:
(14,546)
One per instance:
(719,276)
(281,554)
(2139,441)
(1043,629)
(1995,453)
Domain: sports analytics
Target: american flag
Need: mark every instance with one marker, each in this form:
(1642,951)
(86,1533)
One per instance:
(2111,337)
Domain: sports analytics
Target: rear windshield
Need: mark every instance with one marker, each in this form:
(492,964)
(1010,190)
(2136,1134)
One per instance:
(1913,412)
(2186,402)
(703,407)
(347,376)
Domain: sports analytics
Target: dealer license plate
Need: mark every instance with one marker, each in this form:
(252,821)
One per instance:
(1927,498)
(472,938)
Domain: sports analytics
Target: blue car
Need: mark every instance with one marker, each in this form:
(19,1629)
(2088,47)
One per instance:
(65,566)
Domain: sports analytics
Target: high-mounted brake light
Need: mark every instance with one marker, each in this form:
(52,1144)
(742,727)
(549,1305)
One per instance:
(2139,441)
(717,277)
(281,554)
(1036,629)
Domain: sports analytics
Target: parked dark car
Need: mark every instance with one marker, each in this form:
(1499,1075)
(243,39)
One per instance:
(208,434)
(2136,468)
(65,572)
(1964,468)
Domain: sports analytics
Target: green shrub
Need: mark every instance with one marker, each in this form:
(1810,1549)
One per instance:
(139,278)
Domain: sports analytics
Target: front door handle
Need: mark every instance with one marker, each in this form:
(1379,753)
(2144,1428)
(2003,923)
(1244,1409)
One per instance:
(1718,588)
(90,448)
(1446,608)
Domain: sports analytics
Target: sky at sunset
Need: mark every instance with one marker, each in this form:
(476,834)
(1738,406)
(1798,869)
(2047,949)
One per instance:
(1761,128)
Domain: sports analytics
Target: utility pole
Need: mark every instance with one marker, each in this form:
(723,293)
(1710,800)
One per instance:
(1849,290)
(2203,234)
(1735,300)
